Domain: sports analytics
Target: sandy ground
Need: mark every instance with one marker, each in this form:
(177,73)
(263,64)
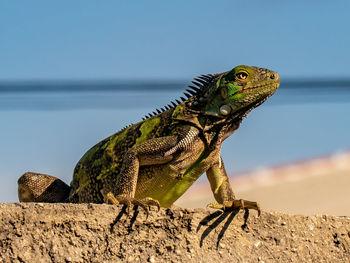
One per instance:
(315,186)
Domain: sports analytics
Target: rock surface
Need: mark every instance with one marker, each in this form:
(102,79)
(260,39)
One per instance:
(103,233)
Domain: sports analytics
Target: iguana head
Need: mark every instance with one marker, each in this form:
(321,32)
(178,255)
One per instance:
(243,87)
(226,95)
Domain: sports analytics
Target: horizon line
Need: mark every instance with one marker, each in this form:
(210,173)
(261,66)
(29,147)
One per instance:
(139,84)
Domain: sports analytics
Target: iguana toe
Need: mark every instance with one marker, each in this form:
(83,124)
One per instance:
(128,201)
(151,202)
(236,204)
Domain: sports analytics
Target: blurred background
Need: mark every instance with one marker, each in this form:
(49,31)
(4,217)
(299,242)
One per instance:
(73,73)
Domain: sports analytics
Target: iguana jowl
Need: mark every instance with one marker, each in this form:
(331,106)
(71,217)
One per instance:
(153,162)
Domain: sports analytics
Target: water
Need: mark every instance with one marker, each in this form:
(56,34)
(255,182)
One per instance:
(47,128)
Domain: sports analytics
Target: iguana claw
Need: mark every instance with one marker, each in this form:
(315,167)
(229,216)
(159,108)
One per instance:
(236,204)
(128,201)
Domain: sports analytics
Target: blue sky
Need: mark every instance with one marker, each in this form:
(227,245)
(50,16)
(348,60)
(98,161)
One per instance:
(171,39)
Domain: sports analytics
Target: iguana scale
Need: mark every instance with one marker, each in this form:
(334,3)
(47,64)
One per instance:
(154,161)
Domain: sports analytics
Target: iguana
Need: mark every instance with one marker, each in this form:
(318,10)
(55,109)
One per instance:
(153,162)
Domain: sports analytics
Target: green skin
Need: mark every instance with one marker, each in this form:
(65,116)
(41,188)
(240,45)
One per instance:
(156,160)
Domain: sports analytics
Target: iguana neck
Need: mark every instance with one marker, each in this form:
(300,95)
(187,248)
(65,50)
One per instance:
(213,129)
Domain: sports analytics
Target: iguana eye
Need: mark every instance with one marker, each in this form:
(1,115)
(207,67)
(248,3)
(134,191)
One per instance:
(242,75)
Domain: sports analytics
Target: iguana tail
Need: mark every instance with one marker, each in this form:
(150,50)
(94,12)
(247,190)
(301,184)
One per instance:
(35,187)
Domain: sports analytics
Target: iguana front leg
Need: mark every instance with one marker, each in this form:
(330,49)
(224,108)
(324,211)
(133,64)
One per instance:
(222,190)
(151,152)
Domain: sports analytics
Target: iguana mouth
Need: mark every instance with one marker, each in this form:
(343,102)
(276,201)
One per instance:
(256,87)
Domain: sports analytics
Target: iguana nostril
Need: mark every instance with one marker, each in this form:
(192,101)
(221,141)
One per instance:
(272,76)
